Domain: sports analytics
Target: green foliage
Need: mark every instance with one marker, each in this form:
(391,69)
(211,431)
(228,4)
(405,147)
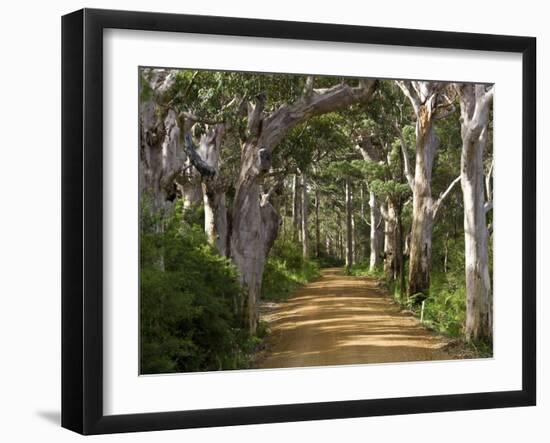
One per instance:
(445,308)
(363,270)
(285,270)
(189,301)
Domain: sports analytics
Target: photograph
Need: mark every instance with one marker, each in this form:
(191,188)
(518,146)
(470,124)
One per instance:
(299,220)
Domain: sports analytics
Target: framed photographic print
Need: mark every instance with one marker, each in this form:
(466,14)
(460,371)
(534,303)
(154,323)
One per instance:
(270,221)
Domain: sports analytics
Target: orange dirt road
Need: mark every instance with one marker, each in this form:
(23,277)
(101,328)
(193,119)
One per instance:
(339,320)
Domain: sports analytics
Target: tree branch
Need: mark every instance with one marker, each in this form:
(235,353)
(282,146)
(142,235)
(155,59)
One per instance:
(322,101)
(205,170)
(406,164)
(488,178)
(411,93)
(266,196)
(443,195)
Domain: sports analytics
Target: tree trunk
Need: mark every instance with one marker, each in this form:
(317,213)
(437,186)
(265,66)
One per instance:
(215,209)
(376,233)
(317,226)
(349,224)
(401,252)
(422,219)
(215,220)
(255,228)
(423,97)
(475,104)
(305,218)
(161,155)
(391,241)
(296,208)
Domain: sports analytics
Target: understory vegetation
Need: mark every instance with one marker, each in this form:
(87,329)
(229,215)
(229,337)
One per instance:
(190,301)
(285,270)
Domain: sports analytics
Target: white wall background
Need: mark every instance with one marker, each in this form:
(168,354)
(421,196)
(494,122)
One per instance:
(30,220)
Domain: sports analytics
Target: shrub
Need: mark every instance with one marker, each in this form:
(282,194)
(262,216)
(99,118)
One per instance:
(285,270)
(190,300)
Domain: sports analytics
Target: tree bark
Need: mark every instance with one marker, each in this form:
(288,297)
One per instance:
(475,102)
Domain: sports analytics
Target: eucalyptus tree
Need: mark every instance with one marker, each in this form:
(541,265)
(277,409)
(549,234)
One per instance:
(475,105)
(430,102)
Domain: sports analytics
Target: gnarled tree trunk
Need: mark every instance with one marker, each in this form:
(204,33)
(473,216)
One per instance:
(161,155)
(475,102)
(255,222)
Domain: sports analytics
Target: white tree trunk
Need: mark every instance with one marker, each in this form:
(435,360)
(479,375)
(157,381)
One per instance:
(376,233)
(475,103)
(305,218)
(296,208)
(391,241)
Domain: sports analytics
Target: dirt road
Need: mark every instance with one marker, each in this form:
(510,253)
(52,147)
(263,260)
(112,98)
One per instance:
(339,320)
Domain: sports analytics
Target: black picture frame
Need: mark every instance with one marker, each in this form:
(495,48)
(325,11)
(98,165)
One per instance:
(82,218)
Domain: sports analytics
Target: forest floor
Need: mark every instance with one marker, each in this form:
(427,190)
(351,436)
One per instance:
(340,319)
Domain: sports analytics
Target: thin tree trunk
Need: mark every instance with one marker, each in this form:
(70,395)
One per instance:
(296,208)
(305,218)
(390,241)
(317,225)
(376,233)
(349,224)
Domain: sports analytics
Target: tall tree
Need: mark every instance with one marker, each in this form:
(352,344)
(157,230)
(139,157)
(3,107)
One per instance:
(475,103)
(429,104)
